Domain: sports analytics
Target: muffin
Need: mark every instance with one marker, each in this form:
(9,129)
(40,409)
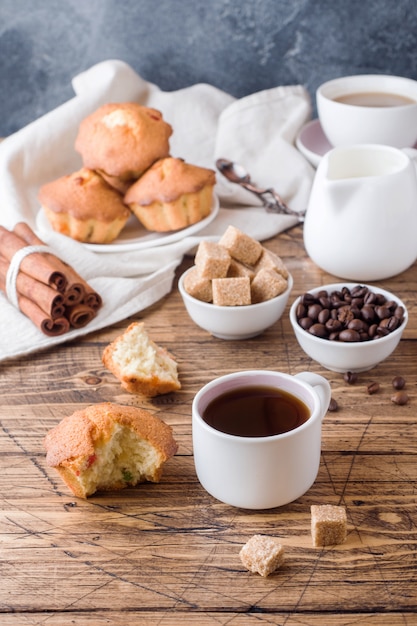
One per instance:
(171,195)
(109,447)
(121,140)
(140,364)
(84,206)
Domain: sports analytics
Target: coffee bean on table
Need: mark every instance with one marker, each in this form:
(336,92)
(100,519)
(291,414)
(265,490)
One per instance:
(400,397)
(350,377)
(373,388)
(333,406)
(349,315)
(398,382)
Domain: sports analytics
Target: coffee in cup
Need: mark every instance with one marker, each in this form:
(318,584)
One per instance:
(256,411)
(369,108)
(257,436)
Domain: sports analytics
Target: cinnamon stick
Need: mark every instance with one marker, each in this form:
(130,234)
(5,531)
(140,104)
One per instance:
(80,315)
(92,299)
(45,323)
(37,265)
(49,326)
(48,299)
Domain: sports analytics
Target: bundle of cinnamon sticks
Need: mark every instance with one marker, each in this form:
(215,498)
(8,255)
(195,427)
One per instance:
(48,290)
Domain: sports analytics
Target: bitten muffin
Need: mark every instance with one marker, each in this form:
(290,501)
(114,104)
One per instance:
(121,140)
(109,447)
(171,195)
(84,206)
(140,364)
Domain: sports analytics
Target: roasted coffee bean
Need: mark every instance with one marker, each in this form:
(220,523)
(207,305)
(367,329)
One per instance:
(301,311)
(323,316)
(349,335)
(398,382)
(369,298)
(349,315)
(400,397)
(399,312)
(324,301)
(368,313)
(358,324)
(314,310)
(350,377)
(318,330)
(382,312)
(391,323)
(359,291)
(308,298)
(372,388)
(333,406)
(306,322)
(333,325)
(345,314)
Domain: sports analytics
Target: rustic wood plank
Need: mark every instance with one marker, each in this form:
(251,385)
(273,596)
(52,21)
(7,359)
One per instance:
(218,618)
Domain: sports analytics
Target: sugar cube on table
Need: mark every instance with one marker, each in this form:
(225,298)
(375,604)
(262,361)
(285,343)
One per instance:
(328,524)
(262,554)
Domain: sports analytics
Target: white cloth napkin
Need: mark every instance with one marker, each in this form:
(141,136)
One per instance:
(257,131)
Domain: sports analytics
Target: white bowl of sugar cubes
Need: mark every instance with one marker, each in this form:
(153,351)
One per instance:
(237,288)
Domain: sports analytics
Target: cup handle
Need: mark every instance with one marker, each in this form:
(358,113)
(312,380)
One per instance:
(411,153)
(320,385)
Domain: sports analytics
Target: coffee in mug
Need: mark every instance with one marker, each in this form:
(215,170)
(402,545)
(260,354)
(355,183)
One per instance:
(256,411)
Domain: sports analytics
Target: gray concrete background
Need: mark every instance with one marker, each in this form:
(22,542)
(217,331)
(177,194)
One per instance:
(240,46)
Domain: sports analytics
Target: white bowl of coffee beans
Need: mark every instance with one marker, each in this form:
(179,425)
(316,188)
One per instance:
(348,327)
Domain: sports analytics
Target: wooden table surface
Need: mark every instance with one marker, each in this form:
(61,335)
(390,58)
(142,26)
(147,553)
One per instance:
(168,553)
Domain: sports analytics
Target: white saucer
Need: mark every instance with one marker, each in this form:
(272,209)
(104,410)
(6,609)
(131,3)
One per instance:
(135,237)
(312,142)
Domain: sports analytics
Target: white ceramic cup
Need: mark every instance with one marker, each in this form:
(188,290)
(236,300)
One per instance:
(361,220)
(260,472)
(345,124)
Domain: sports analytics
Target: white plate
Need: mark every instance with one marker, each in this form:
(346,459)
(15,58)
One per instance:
(312,142)
(135,237)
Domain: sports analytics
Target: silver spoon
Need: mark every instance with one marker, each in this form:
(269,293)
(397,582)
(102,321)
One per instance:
(273,202)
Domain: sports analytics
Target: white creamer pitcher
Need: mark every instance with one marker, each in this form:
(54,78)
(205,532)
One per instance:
(361,220)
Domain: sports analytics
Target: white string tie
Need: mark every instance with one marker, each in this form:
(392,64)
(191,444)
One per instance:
(13,271)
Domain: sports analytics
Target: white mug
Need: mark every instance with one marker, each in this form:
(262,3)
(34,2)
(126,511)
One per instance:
(345,123)
(266,471)
(361,219)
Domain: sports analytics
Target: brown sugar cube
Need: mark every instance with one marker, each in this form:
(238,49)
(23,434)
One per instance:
(237,269)
(270,260)
(267,284)
(231,291)
(197,286)
(328,524)
(212,260)
(262,554)
(240,246)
